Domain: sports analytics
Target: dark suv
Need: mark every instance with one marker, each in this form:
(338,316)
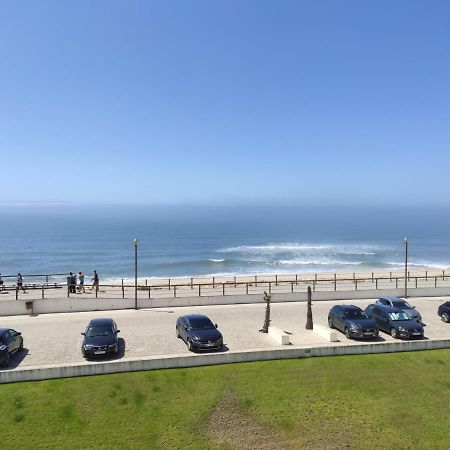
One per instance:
(100,338)
(11,341)
(396,322)
(444,312)
(352,321)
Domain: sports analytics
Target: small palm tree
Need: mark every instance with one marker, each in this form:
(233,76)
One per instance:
(267,298)
(309,317)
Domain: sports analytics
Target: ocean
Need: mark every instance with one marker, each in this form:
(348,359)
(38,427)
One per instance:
(213,240)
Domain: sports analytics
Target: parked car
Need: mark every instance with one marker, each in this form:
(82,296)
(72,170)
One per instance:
(100,338)
(400,303)
(198,332)
(396,322)
(352,321)
(444,312)
(11,341)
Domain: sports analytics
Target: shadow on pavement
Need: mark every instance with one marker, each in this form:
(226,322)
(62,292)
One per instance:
(16,359)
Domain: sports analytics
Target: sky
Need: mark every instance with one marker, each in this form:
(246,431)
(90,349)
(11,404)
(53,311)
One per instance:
(224,102)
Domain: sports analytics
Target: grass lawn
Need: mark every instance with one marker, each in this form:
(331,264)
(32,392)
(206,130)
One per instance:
(390,401)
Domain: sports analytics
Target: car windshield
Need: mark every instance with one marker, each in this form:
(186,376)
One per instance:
(400,315)
(100,331)
(355,314)
(200,324)
(401,304)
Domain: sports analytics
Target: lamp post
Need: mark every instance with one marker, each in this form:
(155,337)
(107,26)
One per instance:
(406,267)
(135,242)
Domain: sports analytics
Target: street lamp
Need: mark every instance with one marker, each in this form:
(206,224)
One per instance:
(406,267)
(135,242)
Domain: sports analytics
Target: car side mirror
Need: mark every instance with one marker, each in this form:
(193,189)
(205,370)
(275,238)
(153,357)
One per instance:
(84,334)
(18,333)
(118,331)
(216,325)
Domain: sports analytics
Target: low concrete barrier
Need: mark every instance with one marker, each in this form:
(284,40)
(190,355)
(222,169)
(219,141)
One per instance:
(279,335)
(325,332)
(177,361)
(73,304)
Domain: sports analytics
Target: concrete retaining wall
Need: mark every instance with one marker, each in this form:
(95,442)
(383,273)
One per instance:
(169,362)
(60,305)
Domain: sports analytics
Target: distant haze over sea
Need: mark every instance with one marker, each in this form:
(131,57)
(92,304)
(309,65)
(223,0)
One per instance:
(213,240)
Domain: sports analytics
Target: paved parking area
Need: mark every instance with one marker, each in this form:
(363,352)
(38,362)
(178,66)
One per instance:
(56,338)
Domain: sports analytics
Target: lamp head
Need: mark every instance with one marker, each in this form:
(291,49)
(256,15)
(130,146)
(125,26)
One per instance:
(135,242)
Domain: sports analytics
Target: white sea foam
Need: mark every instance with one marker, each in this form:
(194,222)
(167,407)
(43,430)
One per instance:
(216,260)
(319,262)
(299,248)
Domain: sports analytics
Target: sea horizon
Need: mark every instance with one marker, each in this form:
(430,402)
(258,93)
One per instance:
(221,241)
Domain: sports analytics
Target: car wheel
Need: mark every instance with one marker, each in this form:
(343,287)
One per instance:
(330,323)
(177,333)
(393,332)
(20,347)
(445,317)
(189,345)
(347,333)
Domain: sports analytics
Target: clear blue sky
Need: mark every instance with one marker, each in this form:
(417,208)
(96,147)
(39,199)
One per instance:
(199,102)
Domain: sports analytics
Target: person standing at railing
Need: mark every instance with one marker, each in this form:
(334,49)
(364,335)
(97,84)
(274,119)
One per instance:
(72,279)
(81,282)
(20,283)
(2,288)
(95,281)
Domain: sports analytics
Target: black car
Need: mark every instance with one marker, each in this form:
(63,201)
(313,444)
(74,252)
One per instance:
(396,322)
(11,341)
(444,312)
(100,338)
(352,321)
(198,332)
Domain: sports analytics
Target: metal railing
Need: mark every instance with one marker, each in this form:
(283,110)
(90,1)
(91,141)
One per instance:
(222,286)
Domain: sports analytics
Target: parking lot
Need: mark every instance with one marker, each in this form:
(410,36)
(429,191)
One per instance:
(56,338)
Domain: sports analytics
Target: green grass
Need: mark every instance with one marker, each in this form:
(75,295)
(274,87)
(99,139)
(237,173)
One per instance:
(364,402)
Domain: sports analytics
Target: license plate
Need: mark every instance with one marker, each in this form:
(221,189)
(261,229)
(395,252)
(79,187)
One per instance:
(417,334)
(100,352)
(368,333)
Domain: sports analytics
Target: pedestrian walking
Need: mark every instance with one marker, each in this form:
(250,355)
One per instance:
(20,283)
(81,282)
(2,288)
(95,281)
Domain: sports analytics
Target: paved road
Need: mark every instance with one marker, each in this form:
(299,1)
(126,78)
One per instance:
(56,338)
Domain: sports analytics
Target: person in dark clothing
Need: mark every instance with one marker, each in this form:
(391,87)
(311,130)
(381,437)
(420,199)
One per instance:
(73,283)
(95,281)
(20,282)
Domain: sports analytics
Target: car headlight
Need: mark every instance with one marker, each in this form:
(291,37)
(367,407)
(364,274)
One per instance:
(112,346)
(401,329)
(2,348)
(87,346)
(195,338)
(355,327)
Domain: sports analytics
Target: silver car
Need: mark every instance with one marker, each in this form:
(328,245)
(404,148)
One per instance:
(400,303)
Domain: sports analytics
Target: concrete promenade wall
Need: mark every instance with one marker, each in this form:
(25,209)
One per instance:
(64,304)
(178,361)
